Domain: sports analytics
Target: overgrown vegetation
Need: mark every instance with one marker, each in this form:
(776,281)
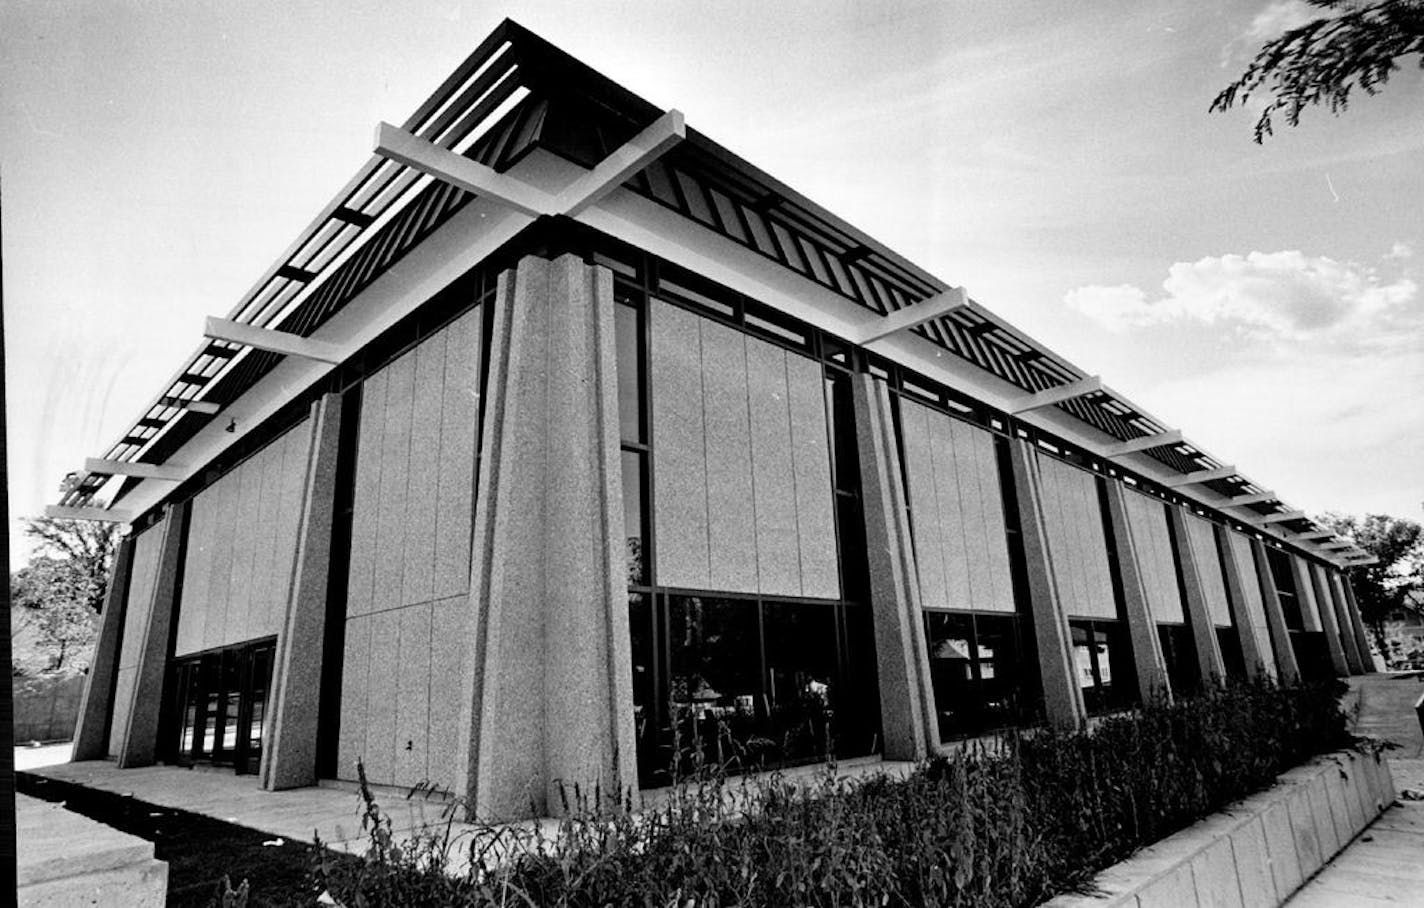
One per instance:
(1005,824)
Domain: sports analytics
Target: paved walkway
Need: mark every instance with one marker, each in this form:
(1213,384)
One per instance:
(1385,865)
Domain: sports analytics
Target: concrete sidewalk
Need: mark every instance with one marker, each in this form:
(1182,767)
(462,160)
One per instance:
(1385,864)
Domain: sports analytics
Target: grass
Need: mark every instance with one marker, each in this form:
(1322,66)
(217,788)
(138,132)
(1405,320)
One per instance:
(1007,824)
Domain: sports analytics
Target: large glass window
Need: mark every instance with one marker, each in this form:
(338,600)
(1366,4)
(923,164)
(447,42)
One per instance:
(1103,664)
(976,669)
(715,689)
(216,704)
(1183,673)
(1228,640)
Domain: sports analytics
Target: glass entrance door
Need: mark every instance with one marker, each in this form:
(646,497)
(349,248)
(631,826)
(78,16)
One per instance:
(217,702)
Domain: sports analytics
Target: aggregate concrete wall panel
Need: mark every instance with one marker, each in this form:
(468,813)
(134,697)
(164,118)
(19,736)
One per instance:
(1305,593)
(450,621)
(778,553)
(1250,589)
(381,686)
(1201,535)
(270,572)
(412,695)
(460,408)
(977,553)
(731,513)
(418,580)
(148,550)
(680,477)
(192,615)
(288,524)
(811,466)
(395,475)
(220,573)
(361,577)
(1074,526)
(355,671)
(1148,520)
(995,566)
(248,482)
(953,540)
(928,534)
(123,705)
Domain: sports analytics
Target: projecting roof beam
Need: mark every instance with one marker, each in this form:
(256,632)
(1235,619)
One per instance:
(1339,546)
(102,514)
(1321,535)
(195,406)
(1283,517)
(610,173)
(1047,398)
(283,342)
(400,146)
(1200,476)
(139,470)
(1145,443)
(881,326)
(1241,501)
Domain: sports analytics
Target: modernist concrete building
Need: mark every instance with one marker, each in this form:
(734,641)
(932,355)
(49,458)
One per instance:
(565,444)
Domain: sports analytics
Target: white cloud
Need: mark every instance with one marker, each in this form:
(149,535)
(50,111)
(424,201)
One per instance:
(1400,251)
(1276,297)
(1278,18)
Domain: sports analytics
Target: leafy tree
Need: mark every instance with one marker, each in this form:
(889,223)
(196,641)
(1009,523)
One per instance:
(51,599)
(1383,589)
(1354,44)
(87,546)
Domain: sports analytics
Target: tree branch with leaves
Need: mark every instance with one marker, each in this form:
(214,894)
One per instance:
(1354,45)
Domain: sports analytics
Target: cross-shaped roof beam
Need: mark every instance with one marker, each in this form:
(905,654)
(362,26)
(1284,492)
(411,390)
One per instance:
(283,342)
(1283,517)
(1200,476)
(1050,396)
(1145,443)
(1241,501)
(138,470)
(105,515)
(881,326)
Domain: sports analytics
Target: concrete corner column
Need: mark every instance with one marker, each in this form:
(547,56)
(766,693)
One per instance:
(140,742)
(289,758)
(1150,666)
(1253,634)
(907,707)
(1344,595)
(1062,695)
(1338,618)
(547,700)
(1287,668)
(1208,650)
(1318,614)
(91,731)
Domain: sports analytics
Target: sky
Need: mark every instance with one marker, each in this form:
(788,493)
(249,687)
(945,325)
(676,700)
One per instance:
(1056,159)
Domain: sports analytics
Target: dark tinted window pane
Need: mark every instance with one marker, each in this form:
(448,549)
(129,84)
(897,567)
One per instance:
(801,679)
(1177,651)
(715,685)
(633,535)
(1000,670)
(858,701)
(1103,665)
(630,373)
(1229,642)
(640,635)
(950,639)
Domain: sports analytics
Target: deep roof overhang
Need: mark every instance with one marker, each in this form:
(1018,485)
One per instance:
(698,205)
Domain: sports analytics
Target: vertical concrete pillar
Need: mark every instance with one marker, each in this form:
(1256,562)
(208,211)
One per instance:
(91,731)
(1347,592)
(1339,618)
(1150,666)
(1062,695)
(547,700)
(141,737)
(1208,650)
(1316,612)
(1339,585)
(1287,668)
(289,757)
(1255,637)
(907,707)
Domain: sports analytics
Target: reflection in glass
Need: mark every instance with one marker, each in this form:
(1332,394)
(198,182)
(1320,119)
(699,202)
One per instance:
(975,671)
(1099,653)
(715,688)
(633,516)
(801,674)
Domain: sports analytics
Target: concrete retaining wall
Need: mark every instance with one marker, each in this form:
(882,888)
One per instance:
(1257,852)
(46,707)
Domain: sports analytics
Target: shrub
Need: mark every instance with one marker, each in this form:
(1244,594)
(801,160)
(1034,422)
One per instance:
(1005,823)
